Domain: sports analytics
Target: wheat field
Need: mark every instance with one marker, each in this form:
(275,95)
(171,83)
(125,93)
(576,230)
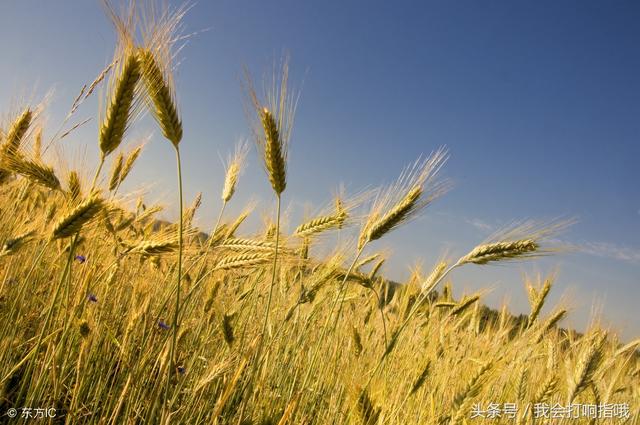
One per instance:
(111,315)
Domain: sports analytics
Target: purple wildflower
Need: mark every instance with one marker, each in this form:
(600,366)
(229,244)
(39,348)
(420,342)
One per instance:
(163,325)
(181,370)
(92,298)
(81,258)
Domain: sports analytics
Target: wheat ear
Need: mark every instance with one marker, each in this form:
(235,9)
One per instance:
(154,247)
(537,301)
(116,169)
(74,186)
(471,390)
(321,224)
(499,251)
(274,152)
(161,94)
(234,168)
(119,110)
(128,164)
(242,260)
(32,170)
(11,245)
(17,131)
(367,412)
(399,203)
(586,367)
(73,222)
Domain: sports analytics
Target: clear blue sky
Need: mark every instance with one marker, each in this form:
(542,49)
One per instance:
(538,102)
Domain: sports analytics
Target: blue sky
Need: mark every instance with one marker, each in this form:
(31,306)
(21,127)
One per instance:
(538,103)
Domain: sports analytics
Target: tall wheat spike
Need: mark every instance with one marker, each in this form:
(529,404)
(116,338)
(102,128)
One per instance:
(31,169)
(161,94)
(415,190)
(321,224)
(37,144)
(73,222)
(537,301)
(471,390)
(156,61)
(119,111)
(234,168)
(275,116)
(586,366)
(242,260)
(12,245)
(116,170)
(122,102)
(17,130)
(128,164)
(519,241)
(13,139)
(74,186)
(367,412)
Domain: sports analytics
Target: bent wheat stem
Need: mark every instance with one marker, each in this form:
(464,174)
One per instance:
(179,278)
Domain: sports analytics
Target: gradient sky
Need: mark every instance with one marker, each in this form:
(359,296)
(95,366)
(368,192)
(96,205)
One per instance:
(538,103)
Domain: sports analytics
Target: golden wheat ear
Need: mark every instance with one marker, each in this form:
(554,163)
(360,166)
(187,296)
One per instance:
(414,190)
(160,93)
(31,169)
(116,170)
(274,152)
(122,96)
(17,130)
(275,113)
(74,186)
(234,168)
(128,164)
(12,245)
(77,218)
(337,216)
(119,111)
(520,241)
